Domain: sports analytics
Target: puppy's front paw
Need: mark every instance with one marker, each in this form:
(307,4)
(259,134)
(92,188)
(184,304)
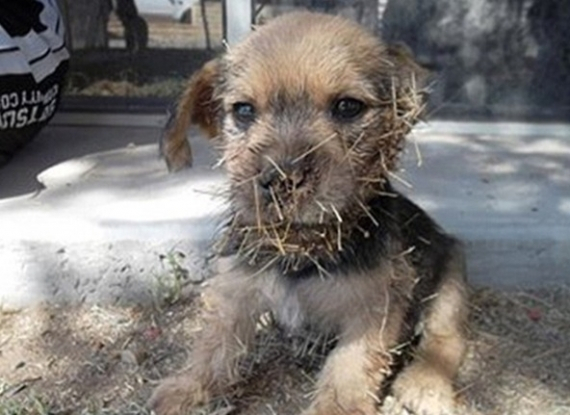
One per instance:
(176,395)
(422,392)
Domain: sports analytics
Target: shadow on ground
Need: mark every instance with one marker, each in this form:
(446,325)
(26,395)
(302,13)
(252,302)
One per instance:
(57,144)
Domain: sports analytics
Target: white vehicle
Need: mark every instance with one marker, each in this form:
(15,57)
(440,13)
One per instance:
(179,10)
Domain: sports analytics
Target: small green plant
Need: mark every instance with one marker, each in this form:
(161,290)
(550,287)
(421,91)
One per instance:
(170,282)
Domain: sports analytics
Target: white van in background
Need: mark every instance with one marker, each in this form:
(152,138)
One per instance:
(179,10)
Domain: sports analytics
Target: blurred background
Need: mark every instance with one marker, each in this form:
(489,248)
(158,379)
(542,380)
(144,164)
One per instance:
(490,59)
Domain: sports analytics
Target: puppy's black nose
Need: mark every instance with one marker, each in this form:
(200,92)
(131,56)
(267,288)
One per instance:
(282,178)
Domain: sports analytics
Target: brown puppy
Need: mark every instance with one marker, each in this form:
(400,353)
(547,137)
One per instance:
(311,111)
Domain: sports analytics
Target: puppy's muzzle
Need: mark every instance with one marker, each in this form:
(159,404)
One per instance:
(286,177)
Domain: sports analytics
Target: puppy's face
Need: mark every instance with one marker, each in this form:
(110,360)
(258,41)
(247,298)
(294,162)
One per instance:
(310,118)
(312,111)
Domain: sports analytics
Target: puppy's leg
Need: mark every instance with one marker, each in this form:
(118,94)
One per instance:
(425,386)
(351,378)
(232,310)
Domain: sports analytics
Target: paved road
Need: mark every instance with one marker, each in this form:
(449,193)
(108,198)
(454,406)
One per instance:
(89,213)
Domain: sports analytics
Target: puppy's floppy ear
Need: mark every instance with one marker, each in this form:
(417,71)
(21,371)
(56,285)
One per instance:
(197,105)
(406,68)
(408,82)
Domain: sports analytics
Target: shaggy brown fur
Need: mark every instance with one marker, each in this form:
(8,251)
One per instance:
(311,112)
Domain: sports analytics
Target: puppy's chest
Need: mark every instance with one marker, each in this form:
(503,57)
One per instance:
(288,311)
(289,304)
(309,304)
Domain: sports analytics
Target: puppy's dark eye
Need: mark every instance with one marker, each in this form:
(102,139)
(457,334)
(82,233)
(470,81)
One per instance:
(243,112)
(347,109)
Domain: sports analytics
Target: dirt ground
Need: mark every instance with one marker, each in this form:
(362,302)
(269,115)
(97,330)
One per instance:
(98,360)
